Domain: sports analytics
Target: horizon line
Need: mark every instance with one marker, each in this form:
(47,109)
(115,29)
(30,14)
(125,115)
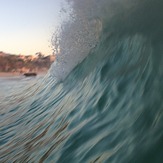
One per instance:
(1,51)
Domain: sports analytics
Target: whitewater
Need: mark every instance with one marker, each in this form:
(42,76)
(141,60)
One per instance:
(102,99)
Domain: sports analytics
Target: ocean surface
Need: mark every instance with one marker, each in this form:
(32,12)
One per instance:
(102,99)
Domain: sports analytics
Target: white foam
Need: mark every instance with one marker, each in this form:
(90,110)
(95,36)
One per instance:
(75,39)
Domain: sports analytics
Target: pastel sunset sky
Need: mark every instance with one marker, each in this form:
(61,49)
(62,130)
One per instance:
(28,25)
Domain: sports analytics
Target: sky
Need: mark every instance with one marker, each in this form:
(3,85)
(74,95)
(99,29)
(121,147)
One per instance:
(26,26)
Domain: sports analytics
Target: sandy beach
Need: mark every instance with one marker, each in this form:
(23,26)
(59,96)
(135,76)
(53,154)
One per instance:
(9,74)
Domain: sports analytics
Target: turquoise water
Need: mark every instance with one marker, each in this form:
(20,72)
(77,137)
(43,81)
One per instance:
(107,108)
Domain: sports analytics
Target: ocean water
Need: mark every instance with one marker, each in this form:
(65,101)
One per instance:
(102,99)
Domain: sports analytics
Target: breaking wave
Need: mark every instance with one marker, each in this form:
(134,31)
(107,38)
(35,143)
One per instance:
(101,101)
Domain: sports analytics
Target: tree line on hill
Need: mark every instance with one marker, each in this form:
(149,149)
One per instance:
(23,64)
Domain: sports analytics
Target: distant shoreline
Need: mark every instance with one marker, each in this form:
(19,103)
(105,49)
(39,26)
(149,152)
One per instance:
(14,74)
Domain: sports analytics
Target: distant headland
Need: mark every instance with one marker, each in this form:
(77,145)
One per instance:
(11,64)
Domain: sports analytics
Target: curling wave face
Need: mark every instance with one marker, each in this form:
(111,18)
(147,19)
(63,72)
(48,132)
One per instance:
(106,104)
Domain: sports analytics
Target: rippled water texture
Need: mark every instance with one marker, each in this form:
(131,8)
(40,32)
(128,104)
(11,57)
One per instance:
(103,106)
